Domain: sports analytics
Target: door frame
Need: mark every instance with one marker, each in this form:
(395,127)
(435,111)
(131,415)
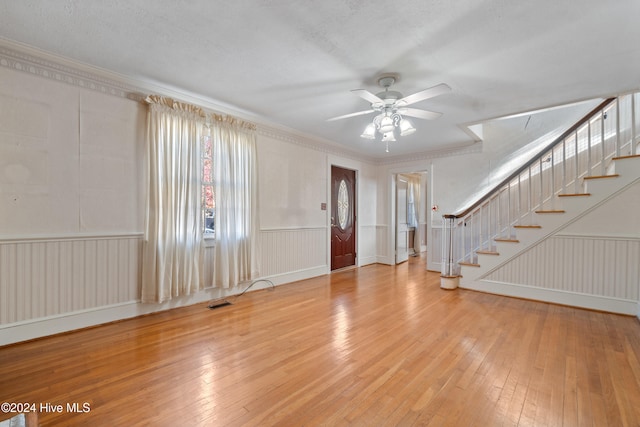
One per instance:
(330,164)
(397,222)
(427,192)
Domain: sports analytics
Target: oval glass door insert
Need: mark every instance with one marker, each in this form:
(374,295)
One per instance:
(343,205)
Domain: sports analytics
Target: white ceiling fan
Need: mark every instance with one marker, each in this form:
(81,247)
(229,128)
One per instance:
(391,106)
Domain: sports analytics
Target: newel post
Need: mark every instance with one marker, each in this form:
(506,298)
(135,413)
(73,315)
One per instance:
(450,273)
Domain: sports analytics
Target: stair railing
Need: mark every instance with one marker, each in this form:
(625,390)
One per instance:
(584,150)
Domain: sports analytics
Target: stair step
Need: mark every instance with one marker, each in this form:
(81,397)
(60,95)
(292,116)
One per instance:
(626,157)
(574,195)
(507,240)
(615,175)
(550,212)
(469,264)
(487,252)
(527,226)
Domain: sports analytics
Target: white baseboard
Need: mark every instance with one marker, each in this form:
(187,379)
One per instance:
(294,276)
(593,302)
(385,260)
(367,260)
(36,328)
(22,331)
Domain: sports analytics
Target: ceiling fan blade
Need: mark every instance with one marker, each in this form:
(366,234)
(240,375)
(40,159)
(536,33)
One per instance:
(424,94)
(420,114)
(368,96)
(359,113)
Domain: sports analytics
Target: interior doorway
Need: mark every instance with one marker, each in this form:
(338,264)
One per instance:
(410,215)
(343,217)
(402,227)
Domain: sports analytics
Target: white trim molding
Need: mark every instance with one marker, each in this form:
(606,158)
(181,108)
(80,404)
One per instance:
(70,237)
(42,64)
(573,299)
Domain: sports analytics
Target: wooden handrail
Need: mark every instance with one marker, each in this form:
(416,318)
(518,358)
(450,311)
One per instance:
(533,159)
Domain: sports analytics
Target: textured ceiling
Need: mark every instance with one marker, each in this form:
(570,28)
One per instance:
(293,63)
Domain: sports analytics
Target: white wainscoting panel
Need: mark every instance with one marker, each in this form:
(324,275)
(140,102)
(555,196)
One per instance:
(424,236)
(435,248)
(287,250)
(54,276)
(367,248)
(382,245)
(592,265)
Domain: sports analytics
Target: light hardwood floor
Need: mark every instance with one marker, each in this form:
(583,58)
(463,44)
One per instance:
(374,346)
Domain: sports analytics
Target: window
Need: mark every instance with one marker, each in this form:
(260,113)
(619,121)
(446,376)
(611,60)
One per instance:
(208,199)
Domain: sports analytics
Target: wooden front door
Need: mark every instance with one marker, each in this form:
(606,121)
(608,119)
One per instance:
(343,217)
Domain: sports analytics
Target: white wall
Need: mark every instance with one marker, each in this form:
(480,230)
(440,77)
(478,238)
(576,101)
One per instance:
(72,211)
(292,184)
(68,159)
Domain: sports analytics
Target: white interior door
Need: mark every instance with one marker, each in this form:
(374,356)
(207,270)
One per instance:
(402,232)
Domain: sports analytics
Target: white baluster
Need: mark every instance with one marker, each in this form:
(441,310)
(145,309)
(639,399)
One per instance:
(509,205)
(519,193)
(634,148)
(530,195)
(575,156)
(618,142)
(552,184)
(589,160)
(602,166)
(541,182)
(564,166)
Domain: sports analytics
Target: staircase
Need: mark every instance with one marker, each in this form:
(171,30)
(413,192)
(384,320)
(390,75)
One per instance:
(545,223)
(592,162)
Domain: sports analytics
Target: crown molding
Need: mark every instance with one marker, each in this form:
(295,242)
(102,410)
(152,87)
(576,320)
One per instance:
(25,59)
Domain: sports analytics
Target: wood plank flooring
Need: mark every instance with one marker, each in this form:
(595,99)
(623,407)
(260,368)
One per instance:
(374,346)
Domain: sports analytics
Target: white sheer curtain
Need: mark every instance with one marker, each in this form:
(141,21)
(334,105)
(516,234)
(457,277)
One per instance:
(236,256)
(414,211)
(172,263)
(412,220)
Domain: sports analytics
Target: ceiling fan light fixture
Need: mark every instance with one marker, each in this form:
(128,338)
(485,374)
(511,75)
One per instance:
(406,128)
(386,125)
(390,106)
(388,137)
(369,132)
